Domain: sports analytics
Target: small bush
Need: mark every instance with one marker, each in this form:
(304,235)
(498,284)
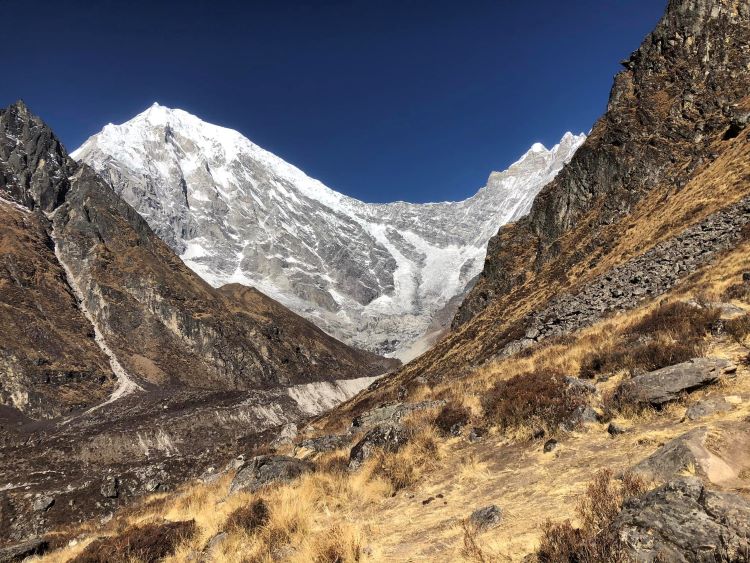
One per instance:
(738,291)
(532,400)
(249,518)
(669,335)
(596,540)
(451,415)
(403,468)
(738,328)
(148,543)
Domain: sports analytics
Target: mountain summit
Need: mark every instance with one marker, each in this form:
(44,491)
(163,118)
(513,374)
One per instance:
(373,275)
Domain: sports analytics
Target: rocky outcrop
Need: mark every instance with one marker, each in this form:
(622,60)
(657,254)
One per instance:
(264,470)
(23,551)
(388,438)
(683,521)
(667,384)
(677,93)
(707,407)
(391,413)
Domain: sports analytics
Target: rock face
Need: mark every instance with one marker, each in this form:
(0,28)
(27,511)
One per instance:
(389,438)
(683,521)
(676,93)
(373,275)
(264,470)
(667,384)
(117,359)
(685,452)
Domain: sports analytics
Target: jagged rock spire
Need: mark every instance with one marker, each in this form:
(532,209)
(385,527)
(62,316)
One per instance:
(34,166)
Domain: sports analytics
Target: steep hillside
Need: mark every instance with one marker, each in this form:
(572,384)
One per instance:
(373,275)
(111,346)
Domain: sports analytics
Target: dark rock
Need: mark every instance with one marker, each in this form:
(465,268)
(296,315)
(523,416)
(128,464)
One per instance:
(43,503)
(675,456)
(683,521)
(477,434)
(266,469)
(21,551)
(746,277)
(486,518)
(614,429)
(388,438)
(581,415)
(392,413)
(707,407)
(110,487)
(538,433)
(550,445)
(327,443)
(664,385)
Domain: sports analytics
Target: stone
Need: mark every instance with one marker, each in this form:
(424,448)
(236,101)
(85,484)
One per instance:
(477,434)
(110,487)
(707,407)
(388,438)
(684,452)
(43,503)
(614,429)
(327,443)
(683,521)
(264,470)
(581,415)
(391,413)
(215,542)
(746,277)
(22,551)
(550,445)
(664,385)
(486,518)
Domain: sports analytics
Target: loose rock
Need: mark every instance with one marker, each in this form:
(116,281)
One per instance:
(388,438)
(266,469)
(664,385)
(486,518)
(550,445)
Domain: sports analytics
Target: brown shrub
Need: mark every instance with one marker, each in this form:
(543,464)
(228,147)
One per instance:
(670,334)
(738,328)
(148,543)
(249,518)
(596,540)
(532,399)
(450,416)
(738,291)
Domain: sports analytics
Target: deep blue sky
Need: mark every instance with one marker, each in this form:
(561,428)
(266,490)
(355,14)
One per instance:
(383,100)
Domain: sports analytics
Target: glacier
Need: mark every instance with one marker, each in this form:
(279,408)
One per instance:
(383,277)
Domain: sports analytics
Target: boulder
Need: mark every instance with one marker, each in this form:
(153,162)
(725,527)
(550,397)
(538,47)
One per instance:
(388,438)
(392,413)
(614,429)
(43,503)
(110,487)
(266,469)
(550,445)
(662,386)
(321,444)
(686,452)
(22,551)
(683,521)
(486,518)
(707,407)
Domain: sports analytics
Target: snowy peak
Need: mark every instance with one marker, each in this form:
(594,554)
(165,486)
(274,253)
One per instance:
(373,275)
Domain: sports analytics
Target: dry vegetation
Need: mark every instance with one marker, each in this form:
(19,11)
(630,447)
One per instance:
(413,503)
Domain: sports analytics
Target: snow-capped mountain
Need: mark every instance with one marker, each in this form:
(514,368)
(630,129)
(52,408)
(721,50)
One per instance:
(373,275)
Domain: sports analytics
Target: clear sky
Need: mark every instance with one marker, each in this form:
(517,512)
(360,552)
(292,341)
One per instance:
(384,100)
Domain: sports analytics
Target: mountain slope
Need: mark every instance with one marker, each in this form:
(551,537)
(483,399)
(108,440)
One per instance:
(114,354)
(372,275)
